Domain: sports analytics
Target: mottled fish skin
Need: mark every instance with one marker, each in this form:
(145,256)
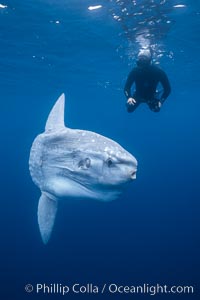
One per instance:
(75,163)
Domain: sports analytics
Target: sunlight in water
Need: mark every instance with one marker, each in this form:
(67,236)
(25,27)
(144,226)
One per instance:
(144,24)
(3,6)
(179,6)
(94,7)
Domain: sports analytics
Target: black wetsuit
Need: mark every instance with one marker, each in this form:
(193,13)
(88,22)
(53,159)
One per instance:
(146,79)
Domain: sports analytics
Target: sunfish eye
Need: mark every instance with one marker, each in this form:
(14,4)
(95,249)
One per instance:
(84,163)
(109,162)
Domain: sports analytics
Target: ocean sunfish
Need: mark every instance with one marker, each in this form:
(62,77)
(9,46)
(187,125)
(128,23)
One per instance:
(75,163)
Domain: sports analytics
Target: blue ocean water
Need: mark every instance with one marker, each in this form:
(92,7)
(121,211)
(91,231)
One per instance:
(151,233)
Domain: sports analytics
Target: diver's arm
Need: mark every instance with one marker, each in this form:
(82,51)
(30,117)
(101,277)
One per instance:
(129,82)
(166,86)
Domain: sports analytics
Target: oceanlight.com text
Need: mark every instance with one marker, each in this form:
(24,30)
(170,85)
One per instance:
(105,288)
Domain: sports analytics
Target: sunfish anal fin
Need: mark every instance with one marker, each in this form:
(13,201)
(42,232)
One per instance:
(55,119)
(47,209)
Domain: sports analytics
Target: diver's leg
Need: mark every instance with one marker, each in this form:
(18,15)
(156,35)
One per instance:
(132,107)
(154,105)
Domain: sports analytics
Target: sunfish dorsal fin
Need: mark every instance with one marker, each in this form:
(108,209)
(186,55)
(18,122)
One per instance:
(47,209)
(55,119)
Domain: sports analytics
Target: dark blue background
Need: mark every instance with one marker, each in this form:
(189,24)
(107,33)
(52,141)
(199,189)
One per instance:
(151,233)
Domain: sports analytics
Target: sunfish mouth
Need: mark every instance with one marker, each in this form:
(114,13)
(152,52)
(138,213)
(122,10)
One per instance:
(133,174)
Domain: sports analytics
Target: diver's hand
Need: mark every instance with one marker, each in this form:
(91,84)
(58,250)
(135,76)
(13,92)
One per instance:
(131,101)
(159,104)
